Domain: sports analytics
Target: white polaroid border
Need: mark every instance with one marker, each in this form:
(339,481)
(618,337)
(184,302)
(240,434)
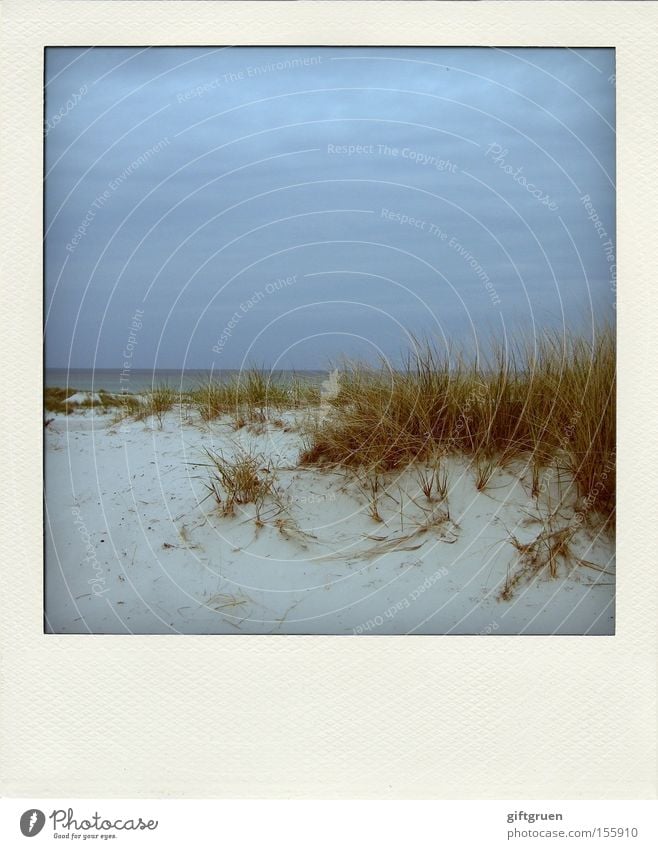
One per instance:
(326,717)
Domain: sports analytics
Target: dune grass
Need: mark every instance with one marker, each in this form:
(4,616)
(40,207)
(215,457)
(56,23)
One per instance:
(542,554)
(154,403)
(551,403)
(251,396)
(242,479)
(54,400)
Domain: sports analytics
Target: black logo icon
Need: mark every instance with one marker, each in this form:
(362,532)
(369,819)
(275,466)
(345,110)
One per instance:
(32,822)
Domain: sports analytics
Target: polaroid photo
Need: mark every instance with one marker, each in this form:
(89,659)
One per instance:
(322,416)
(330,344)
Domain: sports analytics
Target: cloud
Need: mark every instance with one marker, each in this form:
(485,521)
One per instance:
(182,180)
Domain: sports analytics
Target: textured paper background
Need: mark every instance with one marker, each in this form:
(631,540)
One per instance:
(489,717)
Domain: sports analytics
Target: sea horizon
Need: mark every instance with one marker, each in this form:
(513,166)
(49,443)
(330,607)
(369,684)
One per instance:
(138,380)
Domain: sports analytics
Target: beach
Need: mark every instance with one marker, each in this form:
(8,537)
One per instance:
(137,543)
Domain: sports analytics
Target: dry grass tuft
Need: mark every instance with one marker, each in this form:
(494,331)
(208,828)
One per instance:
(123,405)
(484,469)
(243,479)
(250,396)
(54,398)
(128,406)
(543,554)
(433,482)
(371,487)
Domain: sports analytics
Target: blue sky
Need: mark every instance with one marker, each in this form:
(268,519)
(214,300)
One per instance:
(287,206)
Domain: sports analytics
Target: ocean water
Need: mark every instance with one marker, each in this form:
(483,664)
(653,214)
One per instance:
(139,380)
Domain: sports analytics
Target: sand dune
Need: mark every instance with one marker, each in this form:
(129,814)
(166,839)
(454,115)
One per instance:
(135,545)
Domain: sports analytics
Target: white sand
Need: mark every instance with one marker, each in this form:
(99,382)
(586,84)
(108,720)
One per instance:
(132,548)
(83,398)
